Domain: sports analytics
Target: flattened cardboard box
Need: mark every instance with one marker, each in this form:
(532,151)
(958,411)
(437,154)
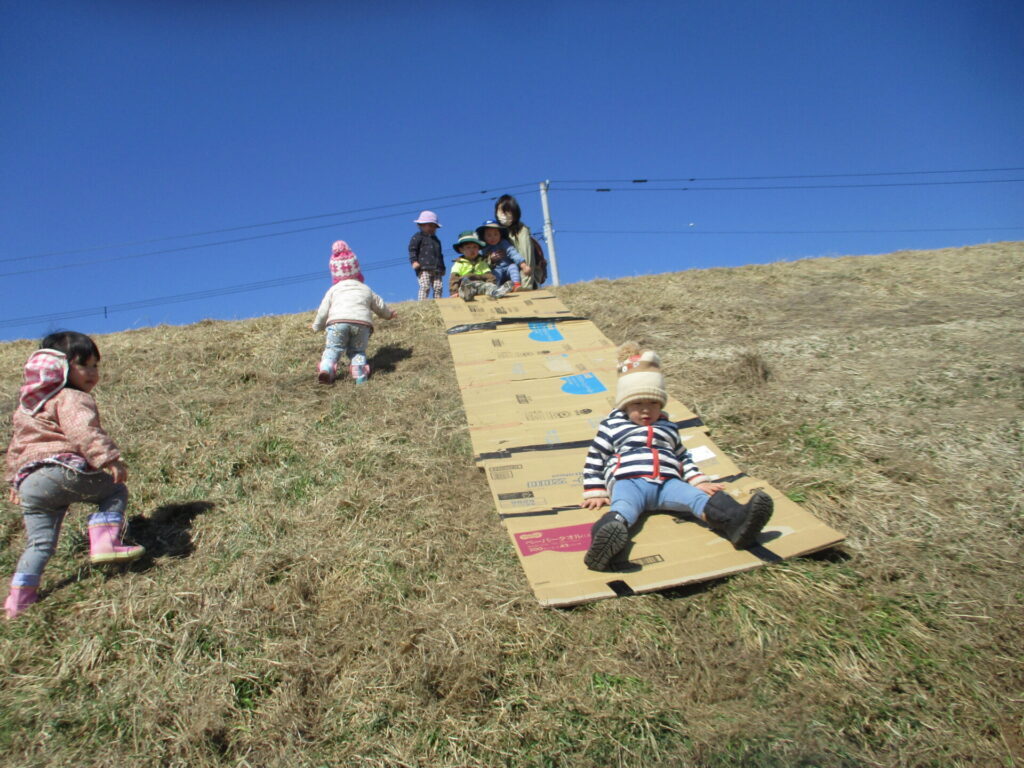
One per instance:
(530,426)
(547,411)
(665,551)
(497,372)
(455,311)
(533,338)
(528,482)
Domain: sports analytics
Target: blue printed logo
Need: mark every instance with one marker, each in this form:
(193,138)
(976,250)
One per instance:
(582,384)
(545,332)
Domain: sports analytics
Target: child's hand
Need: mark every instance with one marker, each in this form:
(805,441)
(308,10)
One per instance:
(117,470)
(415,265)
(13,497)
(594,502)
(710,488)
(393,314)
(524,268)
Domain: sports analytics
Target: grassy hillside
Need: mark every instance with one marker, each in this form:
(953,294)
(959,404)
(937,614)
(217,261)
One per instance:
(329,584)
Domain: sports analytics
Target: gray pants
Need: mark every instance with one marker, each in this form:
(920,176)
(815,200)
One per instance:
(46,495)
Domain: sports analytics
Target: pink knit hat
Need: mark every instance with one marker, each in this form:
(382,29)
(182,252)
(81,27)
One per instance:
(46,373)
(344,264)
(428,217)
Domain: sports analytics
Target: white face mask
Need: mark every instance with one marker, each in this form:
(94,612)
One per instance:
(504,218)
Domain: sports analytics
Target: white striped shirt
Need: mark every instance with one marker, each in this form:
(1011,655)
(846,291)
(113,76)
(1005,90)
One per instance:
(623,449)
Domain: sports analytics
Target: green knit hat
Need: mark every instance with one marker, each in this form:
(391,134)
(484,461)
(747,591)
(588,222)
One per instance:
(469,236)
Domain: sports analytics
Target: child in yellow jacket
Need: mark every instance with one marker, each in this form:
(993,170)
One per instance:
(471,275)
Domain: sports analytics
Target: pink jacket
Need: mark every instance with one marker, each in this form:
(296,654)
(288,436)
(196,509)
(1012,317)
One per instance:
(69,422)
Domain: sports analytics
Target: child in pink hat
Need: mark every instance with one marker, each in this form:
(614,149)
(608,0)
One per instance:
(342,259)
(426,256)
(347,313)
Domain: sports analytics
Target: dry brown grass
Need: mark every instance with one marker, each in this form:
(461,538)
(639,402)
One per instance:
(331,586)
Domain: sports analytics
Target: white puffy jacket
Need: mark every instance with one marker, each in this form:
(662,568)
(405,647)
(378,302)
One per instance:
(350,301)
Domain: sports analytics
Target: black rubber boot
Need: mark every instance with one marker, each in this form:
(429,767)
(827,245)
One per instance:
(739,523)
(608,537)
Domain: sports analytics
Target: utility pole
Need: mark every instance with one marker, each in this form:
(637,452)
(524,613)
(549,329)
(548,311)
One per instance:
(549,232)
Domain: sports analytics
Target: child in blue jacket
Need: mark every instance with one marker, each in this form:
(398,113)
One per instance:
(507,264)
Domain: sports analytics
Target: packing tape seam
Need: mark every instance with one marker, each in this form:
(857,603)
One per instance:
(568,445)
(490,325)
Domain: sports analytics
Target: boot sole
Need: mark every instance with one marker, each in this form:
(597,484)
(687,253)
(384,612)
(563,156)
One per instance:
(608,542)
(761,508)
(116,557)
(325,378)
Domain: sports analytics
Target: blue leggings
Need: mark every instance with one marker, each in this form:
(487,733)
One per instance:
(345,338)
(633,496)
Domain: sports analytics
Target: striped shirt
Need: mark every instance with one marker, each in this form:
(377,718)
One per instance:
(623,449)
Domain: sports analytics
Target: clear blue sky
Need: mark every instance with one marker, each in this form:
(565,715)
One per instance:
(124,122)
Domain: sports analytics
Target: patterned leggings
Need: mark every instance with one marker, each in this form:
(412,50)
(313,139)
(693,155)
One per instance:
(430,280)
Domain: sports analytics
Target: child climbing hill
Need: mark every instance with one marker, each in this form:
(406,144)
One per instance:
(59,455)
(346,311)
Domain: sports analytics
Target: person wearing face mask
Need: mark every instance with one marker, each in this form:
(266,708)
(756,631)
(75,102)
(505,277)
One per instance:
(508,215)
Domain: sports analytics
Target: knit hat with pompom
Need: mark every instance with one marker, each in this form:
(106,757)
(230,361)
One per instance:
(344,264)
(640,376)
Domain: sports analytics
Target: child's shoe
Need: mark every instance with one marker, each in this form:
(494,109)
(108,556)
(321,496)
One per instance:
(105,545)
(739,523)
(466,290)
(502,290)
(19,599)
(516,287)
(608,538)
(326,374)
(360,372)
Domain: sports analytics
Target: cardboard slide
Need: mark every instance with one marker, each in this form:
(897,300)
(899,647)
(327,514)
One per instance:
(536,381)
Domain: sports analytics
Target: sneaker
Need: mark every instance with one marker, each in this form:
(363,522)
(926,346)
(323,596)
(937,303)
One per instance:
(325,377)
(502,290)
(608,538)
(466,291)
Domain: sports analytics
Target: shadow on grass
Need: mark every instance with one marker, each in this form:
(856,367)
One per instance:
(166,532)
(385,358)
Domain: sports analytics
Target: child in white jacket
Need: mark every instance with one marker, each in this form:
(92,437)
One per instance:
(347,312)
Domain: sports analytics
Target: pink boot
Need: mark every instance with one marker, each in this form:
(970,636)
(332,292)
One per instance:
(105,545)
(19,599)
(360,372)
(326,374)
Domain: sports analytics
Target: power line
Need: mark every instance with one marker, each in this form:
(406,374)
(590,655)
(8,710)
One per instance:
(794,176)
(182,248)
(92,249)
(789,186)
(777,231)
(183,297)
